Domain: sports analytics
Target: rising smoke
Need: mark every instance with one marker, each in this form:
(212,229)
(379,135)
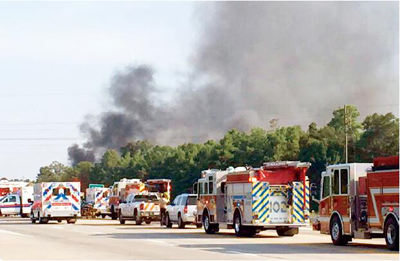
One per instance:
(256,61)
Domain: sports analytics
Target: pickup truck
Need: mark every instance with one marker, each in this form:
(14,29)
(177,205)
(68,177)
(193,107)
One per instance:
(140,207)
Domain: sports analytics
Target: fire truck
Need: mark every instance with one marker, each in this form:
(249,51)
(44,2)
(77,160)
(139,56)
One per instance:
(120,191)
(274,196)
(360,200)
(162,186)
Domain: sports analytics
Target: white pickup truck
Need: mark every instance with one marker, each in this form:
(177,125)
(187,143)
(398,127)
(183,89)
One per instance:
(140,207)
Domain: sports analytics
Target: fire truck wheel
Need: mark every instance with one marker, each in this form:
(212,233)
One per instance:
(237,224)
(287,232)
(148,222)
(391,233)
(336,232)
(181,224)
(71,221)
(168,222)
(207,226)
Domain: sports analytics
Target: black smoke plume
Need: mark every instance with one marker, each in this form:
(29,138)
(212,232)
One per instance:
(258,61)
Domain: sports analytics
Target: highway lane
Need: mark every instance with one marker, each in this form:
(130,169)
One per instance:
(107,239)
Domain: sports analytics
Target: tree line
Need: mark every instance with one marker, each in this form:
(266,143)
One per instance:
(377,135)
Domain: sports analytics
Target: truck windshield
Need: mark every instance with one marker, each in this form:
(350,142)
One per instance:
(145,198)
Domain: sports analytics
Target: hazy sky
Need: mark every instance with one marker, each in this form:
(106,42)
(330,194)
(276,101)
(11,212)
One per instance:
(296,61)
(56,60)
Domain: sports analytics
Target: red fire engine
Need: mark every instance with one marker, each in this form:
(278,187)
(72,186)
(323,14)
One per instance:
(360,200)
(162,186)
(274,196)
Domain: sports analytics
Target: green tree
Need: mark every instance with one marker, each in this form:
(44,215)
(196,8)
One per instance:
(380,137)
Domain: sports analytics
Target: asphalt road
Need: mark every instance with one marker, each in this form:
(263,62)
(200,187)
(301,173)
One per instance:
(107,239)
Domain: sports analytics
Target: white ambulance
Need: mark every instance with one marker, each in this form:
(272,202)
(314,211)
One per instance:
(56,201)
(18,203)
(99,198)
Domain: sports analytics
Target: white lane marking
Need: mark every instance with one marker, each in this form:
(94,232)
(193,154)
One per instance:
(156,241)
(13,233)
(57,227)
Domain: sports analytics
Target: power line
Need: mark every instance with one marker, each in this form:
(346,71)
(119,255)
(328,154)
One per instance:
(40,139)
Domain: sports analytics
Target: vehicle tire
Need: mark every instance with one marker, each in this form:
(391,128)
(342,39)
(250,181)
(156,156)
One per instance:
(43,220)
(138,222)
(181,224)
(33,219)
(199,225)
(287,232)
(337,236)
(209,228)
(168,222)
(121,218)
(148,222)
(391,232)
(103,216)
(71,221)
(237,225)
(59,221)
(114,215)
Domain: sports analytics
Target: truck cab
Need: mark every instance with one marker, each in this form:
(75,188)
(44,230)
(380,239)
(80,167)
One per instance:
(339,197)
(360,200)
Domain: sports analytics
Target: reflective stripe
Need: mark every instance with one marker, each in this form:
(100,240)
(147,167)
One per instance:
(261,192)
(298,202)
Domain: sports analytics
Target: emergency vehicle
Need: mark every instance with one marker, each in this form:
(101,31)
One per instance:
(360,200)
(18,203)
(274,196)
(98,197)
(11,187)
(120,191)
(56,201)
(162,186)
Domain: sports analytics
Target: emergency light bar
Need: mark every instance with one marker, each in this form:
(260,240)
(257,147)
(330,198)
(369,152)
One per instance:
(287,164)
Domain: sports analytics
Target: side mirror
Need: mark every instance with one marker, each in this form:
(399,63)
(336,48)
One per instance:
(195,188)
(314,192)
(313,188)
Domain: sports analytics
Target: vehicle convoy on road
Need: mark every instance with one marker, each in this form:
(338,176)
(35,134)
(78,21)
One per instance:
(120,191)
(18,203)
(360,200)
(274,196)
(140,208)
(182,211)
(56,201)
(98,197)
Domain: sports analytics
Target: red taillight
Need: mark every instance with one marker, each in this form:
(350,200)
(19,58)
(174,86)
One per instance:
(141,207)
(391,209)
(185,210)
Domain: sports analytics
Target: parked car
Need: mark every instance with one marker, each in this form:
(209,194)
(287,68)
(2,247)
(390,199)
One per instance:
(182,211)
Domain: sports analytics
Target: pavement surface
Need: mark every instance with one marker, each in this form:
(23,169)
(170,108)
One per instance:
(107,239)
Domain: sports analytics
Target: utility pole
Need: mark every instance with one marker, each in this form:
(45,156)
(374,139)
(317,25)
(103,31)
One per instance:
(345,133)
